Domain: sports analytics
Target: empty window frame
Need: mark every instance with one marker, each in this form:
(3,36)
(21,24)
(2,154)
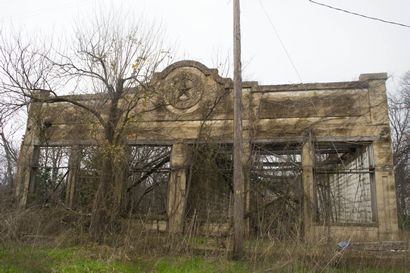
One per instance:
(50,175)
(87,178)
(147,180)
(344,181)
(276,189)
(210,185)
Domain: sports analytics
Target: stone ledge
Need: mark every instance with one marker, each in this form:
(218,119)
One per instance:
(373,76)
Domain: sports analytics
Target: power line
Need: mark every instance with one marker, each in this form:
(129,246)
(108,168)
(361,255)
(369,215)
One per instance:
(287,52)
(360,15)
(280,41)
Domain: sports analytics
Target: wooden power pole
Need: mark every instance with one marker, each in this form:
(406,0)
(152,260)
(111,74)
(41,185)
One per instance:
(238,178)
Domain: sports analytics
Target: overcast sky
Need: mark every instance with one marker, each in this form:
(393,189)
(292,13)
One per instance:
(325,45)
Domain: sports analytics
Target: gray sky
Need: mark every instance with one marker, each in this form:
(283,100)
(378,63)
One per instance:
(325,45)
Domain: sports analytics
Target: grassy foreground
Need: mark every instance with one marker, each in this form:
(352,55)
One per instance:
(21,258)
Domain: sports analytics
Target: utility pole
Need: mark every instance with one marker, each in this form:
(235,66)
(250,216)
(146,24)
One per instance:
(238,179)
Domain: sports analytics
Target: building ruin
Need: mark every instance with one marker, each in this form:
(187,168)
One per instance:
(317,156)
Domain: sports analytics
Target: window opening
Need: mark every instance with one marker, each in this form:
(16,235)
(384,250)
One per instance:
(276,190)
(344,177)
(51,173)
(147,180)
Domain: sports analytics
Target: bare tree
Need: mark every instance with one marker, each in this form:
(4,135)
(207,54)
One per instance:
(399,113)
(115,60)
(8,156)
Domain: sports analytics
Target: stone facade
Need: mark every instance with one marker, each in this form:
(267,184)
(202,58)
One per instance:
(191,102)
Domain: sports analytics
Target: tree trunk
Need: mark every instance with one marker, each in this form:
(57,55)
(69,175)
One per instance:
(107,201)
(10,161)
(103,214)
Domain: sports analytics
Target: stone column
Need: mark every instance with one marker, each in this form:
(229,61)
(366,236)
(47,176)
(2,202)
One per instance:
(250,113)
(73,170)
(387,208)
(27,160)
(308,189)
(385,199)
(29,151)
(246,160)
(385,192)
(25,174)
(177,186)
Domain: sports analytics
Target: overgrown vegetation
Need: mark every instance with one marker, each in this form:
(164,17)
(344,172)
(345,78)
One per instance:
(27,258)
(57,240)
(114,60)
(33,258)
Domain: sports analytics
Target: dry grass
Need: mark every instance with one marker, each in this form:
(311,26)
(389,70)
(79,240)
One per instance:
(61,229)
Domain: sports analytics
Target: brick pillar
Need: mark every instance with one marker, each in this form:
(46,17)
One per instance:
(177,186)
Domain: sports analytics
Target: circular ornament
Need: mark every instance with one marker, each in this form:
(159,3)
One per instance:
(183,92)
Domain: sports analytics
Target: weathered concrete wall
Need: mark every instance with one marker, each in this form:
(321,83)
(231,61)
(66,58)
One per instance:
(191,102)
(271,112)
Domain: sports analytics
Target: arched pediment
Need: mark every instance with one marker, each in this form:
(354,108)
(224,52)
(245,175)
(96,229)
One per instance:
(187,86)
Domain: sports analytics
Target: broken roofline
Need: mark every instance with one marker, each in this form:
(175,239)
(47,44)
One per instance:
(254,86)
(187,90)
